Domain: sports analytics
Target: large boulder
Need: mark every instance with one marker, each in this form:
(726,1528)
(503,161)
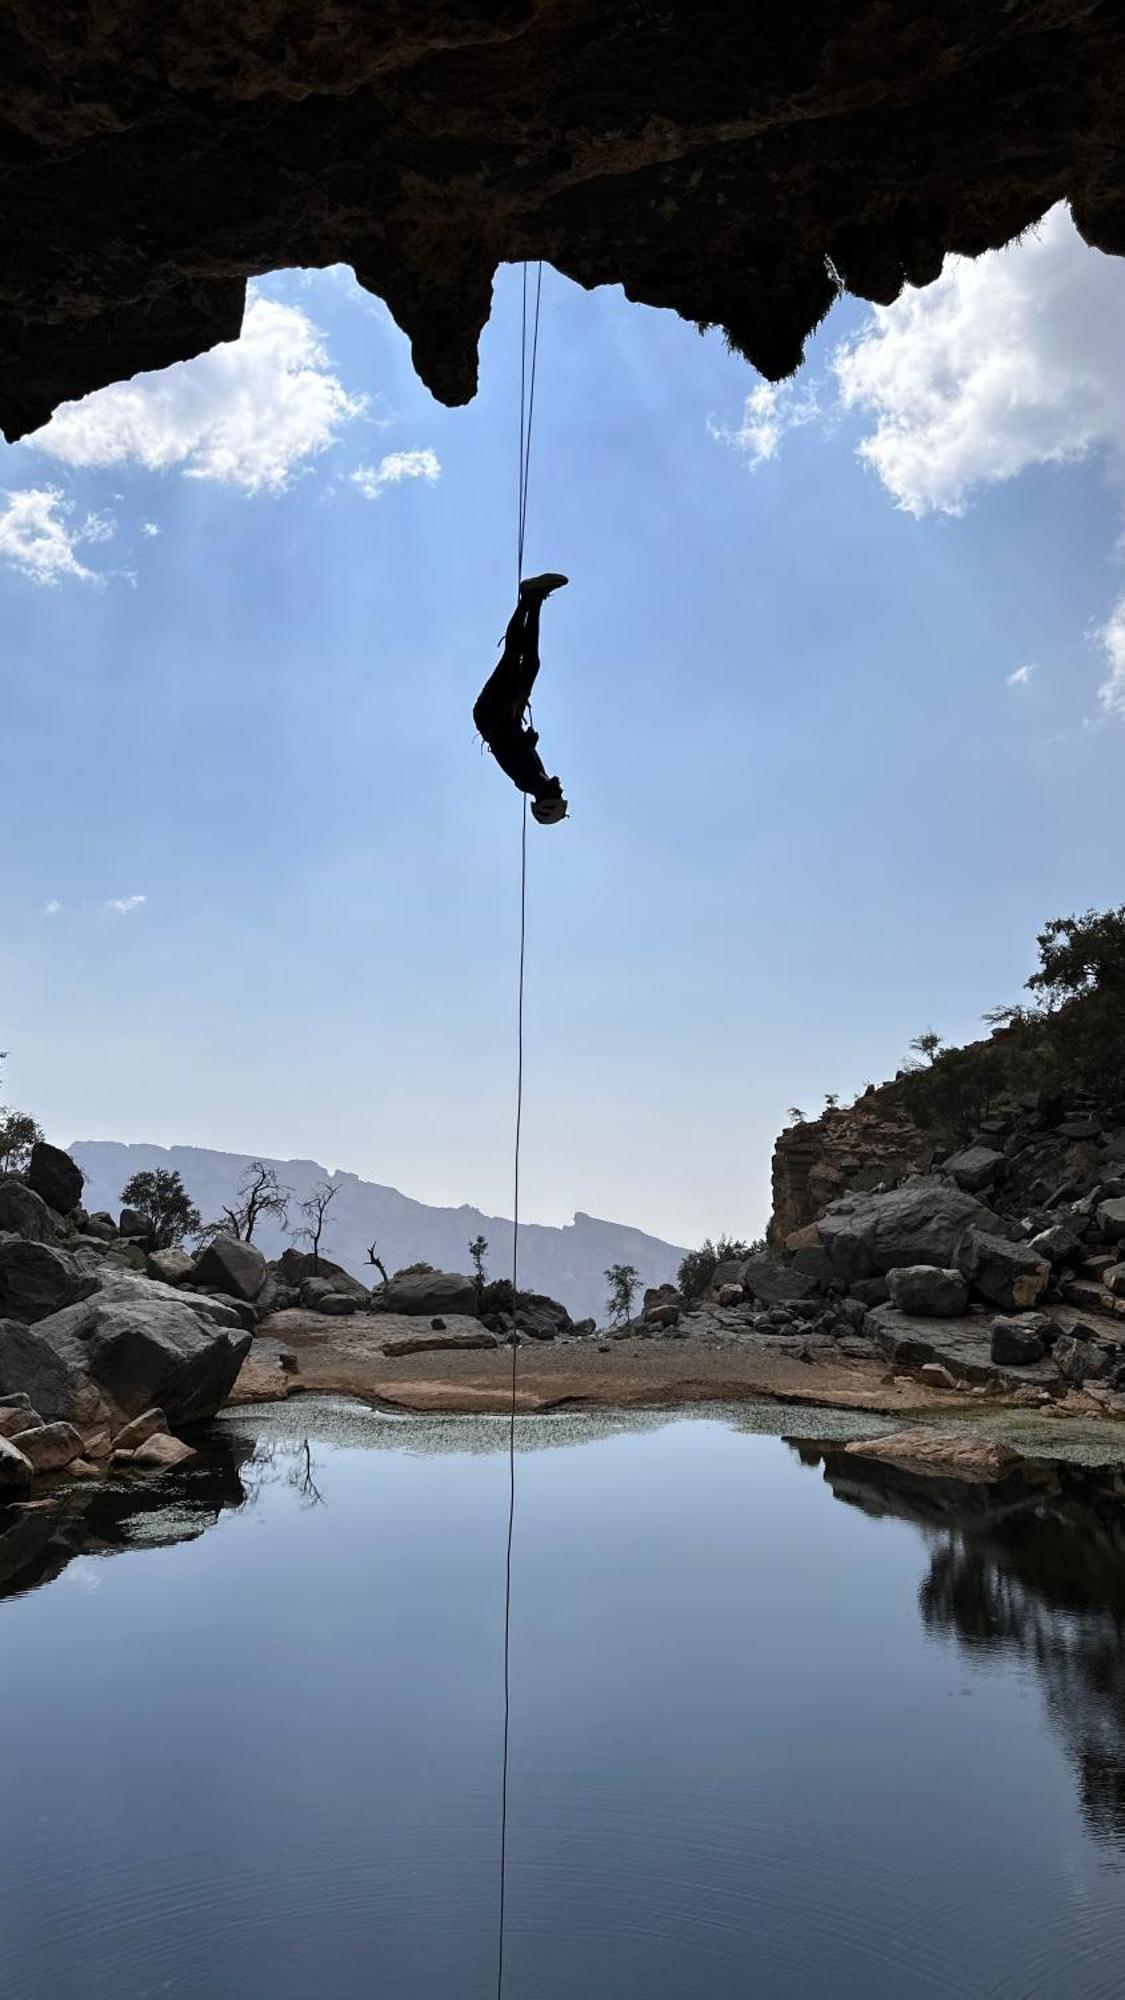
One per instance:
(132,1345)
(976,1168)
(49,1447)
(56,1177)
(1079,1360)
(37,1279)
(429,1292)
(1009,1275)
(1018,1343)
(134,1223)
(920,1222)
(939,1454)
(171,1267)
(773,1283)
(540,1317)
(330,1280)
(233,1267)
(23,1212)
(928,1290)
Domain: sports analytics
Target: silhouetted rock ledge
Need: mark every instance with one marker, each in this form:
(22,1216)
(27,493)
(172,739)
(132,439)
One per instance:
(735,167)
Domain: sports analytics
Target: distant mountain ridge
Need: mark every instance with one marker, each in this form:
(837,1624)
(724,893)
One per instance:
(568,1262)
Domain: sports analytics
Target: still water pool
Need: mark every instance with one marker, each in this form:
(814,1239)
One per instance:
(783,1725)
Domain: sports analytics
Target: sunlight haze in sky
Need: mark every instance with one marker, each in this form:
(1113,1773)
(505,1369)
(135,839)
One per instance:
(837,694)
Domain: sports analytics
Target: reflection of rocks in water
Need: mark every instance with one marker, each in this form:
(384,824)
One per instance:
(123,1513)
(1032,1568)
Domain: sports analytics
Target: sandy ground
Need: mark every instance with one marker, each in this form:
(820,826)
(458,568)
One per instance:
(346,1357)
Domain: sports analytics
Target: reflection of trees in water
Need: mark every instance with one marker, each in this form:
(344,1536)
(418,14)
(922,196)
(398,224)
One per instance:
(1033,1568)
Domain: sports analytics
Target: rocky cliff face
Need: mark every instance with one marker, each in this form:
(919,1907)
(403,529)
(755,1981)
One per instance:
(734,163)
(872,1141)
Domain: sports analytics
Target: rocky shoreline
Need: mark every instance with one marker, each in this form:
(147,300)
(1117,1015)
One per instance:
(990,1278)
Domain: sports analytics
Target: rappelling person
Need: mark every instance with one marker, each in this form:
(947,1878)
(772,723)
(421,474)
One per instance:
(501,706)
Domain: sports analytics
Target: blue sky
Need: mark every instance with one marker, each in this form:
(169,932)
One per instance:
(811,811)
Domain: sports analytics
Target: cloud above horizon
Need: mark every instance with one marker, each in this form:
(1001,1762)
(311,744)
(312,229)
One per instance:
(395,467)
(1020,677)
(249,413)
(124,905)
(1007,361)
(40,538)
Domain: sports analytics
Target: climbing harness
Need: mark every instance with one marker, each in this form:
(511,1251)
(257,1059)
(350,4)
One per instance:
(529,360)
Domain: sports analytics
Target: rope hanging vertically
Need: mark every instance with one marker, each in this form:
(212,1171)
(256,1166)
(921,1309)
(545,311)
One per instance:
(529,359)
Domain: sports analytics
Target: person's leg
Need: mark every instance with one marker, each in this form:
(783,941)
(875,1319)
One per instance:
(527,668)
(499,696)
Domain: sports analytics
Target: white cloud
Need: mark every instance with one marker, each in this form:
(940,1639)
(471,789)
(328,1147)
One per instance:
(248,413)
(150,529)
(771,409)
(1111,693)
(396,466)
(1020,677)
(124,905)
(38,538)
(52,908)
(1005,362)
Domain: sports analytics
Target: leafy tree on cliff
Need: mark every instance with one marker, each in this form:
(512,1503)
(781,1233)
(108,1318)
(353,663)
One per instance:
(1081,980)
(927,1044)
(622,1280)
(161,1197)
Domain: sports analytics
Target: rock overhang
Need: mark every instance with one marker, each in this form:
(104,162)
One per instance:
(732,163)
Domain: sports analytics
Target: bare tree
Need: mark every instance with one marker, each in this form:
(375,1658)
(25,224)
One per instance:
(314,1208)
(377,1261)
(259,1193)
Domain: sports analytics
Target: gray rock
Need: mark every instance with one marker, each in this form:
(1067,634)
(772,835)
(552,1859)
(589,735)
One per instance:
(127,1254)
(15,1470)
(133,1345)
(133,1223)
(928,1290)
(1081,1361)
(1111,1219)
(921,1222)
(102,1224)
(1114,1280)
(1079,1128)
(37,1279)
(23,1212)
(294,1266)
(773,1283)
(729,1295)
(429,1292)
(1006,1274)
(171,1267)
(976,1168)
(49,1447)
(1060,1244)
(338,1305)
(540,1317)
(467,1334)
(53,1175)
(1015,1344)
(232,1267)
(871,1291)
(729,1272)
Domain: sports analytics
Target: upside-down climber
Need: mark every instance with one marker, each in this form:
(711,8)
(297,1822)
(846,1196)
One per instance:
(502,703)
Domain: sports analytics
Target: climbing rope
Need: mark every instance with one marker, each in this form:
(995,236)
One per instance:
(529,361)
